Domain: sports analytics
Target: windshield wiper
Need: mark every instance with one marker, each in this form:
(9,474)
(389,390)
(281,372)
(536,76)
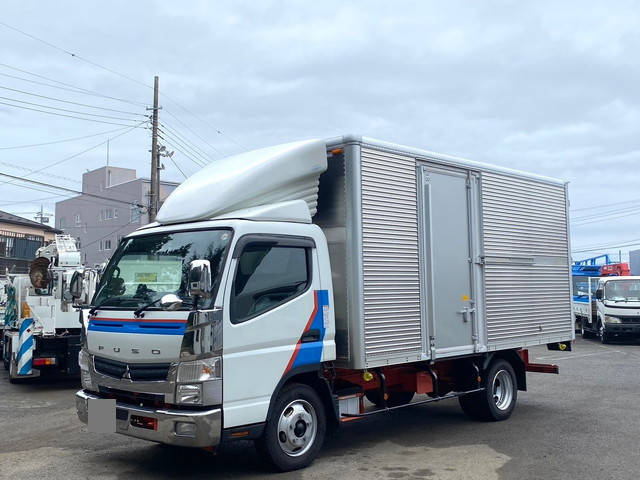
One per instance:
(115,300)
(138,312)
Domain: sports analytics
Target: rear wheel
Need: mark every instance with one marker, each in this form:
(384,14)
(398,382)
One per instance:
(295,432)
(5,354)
(585,333)
(497,401)
(395,398)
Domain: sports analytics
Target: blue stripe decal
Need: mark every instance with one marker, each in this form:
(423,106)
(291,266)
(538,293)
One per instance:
(26,368)
(148,328)
(311,352)
(26,323)
(28,343)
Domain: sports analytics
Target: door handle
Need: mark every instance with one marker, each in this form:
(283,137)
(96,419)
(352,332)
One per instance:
(312,335)
(465,313)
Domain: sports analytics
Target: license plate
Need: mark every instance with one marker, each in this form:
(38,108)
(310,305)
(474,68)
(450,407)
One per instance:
(102,415)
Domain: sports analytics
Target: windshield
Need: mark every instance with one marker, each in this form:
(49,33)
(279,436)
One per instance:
(144,268)
(622,290)
(581,285)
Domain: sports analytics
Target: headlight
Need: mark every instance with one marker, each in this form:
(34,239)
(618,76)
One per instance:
(608,319)
(200,370)
(189,393)
(83,360)
(85,376)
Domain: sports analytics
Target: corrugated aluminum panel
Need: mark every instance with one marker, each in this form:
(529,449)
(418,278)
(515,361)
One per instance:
(391,272)
(526,259)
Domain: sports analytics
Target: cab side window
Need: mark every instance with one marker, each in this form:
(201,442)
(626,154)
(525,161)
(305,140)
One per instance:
(267,276)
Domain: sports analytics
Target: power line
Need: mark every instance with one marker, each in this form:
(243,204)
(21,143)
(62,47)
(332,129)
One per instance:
(170,144)
(595,207)
(64,115)
(16,147)
(176,165)
(195,147)
(70,190)
(35,200)
(217,130)
(72,103)
(57,162)
(66,110)
(31,171)
(201,158)
(74,89)
(194,132)
(109,234)
(74,55)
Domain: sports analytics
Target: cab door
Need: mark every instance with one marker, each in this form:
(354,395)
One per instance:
(273,321)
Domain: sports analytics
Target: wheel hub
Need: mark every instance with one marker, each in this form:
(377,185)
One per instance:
(502,390)
(297,428)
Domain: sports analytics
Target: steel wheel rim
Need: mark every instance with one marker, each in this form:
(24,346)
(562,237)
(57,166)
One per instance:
(502,390)
(297,428)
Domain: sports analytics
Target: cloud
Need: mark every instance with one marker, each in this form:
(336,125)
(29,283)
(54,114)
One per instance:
(545,87)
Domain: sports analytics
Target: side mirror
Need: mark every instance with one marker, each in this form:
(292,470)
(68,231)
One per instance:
(200,278)
(599,294)
(75,285)
(170,302)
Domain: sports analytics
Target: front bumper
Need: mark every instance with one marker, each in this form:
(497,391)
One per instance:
(622,328)
(208,423)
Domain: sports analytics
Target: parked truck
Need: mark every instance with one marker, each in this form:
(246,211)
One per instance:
(287,290)
(41,332)
(615,309)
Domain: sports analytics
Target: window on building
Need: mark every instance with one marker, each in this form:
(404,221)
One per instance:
(115,213)
(78,243)
(100,246)
(78,220)
(107,244)
(108,213)
(268,276)
(61,223)
(134,214)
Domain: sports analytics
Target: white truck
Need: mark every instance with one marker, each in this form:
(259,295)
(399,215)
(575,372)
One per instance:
(41,331)
(614,311)
(280,288)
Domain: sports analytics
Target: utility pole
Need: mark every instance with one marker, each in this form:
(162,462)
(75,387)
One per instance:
(154,191)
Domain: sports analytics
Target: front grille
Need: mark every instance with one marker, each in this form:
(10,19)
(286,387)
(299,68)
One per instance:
(630,319)
(137,371)
(153,400)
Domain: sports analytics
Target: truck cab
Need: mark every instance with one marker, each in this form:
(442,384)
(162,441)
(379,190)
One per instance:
(617,307)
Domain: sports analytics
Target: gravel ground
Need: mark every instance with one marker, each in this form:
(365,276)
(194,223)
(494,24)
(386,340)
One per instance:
(581,424)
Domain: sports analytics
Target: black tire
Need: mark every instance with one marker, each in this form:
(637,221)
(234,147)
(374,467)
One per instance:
(497,401)
(585,333)
(275,442)
(5,355)
(603,335)
(395,399)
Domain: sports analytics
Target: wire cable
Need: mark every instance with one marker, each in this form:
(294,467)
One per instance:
(72,103)
(67,110)
(58,162)
(74,55)
(170,144)
(202,159)
(70,190)
(64,115)
(73,139)
(195,147)
(168,112)
(74,89)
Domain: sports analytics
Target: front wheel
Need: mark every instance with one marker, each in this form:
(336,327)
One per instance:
(295,432)
(604,336)
(497,401)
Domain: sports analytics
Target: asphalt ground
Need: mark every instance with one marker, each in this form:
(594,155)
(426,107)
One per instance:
(581,424)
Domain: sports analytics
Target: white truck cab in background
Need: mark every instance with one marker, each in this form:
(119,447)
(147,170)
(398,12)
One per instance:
(617,309)
(281,287)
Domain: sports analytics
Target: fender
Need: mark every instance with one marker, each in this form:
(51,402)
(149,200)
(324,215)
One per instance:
(516,362)
(311,375)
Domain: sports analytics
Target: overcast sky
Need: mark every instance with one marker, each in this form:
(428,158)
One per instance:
(546,87)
